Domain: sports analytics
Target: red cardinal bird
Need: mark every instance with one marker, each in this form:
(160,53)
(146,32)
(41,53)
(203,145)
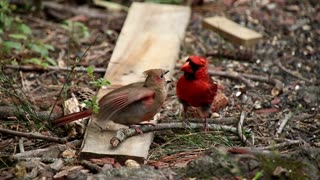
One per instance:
(196,88)
(130,104)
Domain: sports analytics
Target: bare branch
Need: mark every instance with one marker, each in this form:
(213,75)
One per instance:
(283,123)
(240,128)
(33,136)
(124,133)
(232,75)
(53,68)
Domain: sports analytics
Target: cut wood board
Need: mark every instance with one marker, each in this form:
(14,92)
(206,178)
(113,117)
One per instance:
(150,38)
(232,31)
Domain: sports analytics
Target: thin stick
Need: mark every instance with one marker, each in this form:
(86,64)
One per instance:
(294,74)
(33,136)
(52,68)
(124,133)
(45,151)
(69,75)
(283,123)
(266,79)
(232,75)
(262,150)
(10,111)
(91,166)
(240,127)
(280,145)
(21,146)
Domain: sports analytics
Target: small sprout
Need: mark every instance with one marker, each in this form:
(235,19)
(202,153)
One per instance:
(100,82)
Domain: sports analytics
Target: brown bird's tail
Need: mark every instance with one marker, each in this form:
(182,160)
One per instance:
(72,117)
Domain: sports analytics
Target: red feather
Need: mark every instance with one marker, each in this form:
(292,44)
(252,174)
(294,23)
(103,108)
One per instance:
(196,88)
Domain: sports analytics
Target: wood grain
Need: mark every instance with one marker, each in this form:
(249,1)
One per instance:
(232,31)
(150,38)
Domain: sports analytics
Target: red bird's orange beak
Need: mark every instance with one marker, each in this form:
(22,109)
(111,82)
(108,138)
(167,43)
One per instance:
(186,67)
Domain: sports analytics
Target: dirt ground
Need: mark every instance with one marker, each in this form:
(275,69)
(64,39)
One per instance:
(274,89)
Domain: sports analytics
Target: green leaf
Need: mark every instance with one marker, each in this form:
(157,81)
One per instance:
(90,71)
(14,62)
(12,45)
(36,61)
(49,47)
(18,36)
(25,29)
(258,175)
(51,61)
(100,82)
(88,104)
(38,49)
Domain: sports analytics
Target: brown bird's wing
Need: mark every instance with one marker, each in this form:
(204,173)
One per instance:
(116,101)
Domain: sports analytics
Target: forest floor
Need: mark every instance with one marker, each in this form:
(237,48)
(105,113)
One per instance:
(274,90)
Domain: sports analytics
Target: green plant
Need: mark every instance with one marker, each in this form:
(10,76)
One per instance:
(77,30)
(258,175)
(24,109)
(98,84)
(17,36)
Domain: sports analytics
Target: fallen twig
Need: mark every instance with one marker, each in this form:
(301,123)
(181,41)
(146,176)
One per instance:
(280,145)
(53,68)
(33,136)
(41,159)
(240,128)
(54,151)
(262,150)
(90,12)
(91,166)
(124,133)
(294,74)
(283,123)
(232,75)
(266,79)
(21,146)
(10,111)
(240,55)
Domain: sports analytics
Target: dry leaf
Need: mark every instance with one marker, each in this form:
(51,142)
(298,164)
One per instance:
(69,153)
(132,163)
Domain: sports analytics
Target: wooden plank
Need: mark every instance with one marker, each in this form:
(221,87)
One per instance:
(232,31)
(150,38)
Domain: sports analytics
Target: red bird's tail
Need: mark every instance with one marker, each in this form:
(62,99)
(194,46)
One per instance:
(72,117)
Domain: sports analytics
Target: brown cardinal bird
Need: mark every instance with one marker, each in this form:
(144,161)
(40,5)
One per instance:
(196,88)
(130,104)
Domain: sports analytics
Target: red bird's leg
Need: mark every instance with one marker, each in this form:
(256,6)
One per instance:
(184,116)
(135,127)
(206,124)
(138,130)
(205,113)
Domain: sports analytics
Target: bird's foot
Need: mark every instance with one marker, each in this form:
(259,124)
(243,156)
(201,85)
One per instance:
(136,128)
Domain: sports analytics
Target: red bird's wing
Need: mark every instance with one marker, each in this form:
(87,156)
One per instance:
(196,92)
(113,103)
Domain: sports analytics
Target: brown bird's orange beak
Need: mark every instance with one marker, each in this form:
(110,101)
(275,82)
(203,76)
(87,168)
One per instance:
(186,67)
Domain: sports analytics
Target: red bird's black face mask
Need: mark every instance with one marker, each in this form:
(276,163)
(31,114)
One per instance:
(190,68)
